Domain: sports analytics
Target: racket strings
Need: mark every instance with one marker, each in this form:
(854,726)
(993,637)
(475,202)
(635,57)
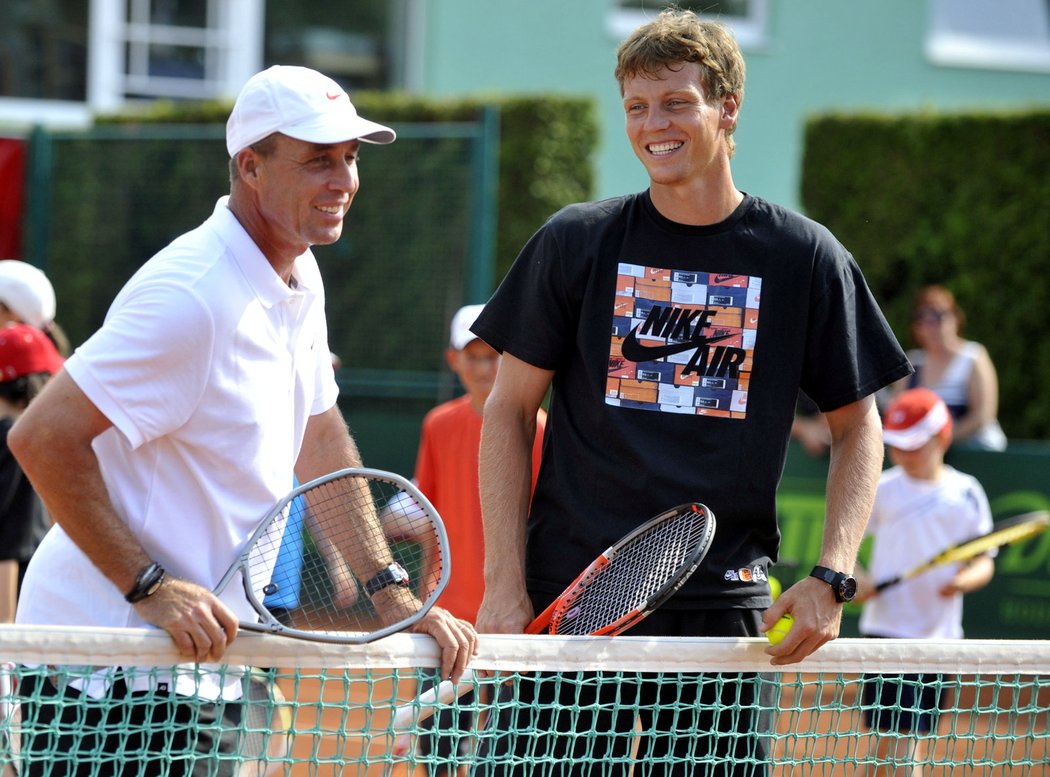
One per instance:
(310,567)
(638,573)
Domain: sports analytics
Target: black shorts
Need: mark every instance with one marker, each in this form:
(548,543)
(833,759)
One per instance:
(906,704)
(688,722)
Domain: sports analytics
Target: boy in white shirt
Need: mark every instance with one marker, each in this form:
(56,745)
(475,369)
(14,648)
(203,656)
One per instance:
(922,506)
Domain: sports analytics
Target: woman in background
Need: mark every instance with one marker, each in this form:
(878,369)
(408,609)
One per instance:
(959,371)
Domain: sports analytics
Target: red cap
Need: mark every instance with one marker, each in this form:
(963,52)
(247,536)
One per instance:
(915,417)
(25,350)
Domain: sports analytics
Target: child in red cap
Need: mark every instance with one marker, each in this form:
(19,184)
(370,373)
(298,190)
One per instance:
(28,359)
(922,506)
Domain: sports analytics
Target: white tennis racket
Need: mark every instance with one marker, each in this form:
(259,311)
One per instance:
(318,547)
(627,582)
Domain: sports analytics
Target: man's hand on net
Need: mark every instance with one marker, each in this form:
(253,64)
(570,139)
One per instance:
(201,626)
(456,637)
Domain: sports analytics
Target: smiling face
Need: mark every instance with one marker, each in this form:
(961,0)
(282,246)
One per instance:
(677,133)
(298,194)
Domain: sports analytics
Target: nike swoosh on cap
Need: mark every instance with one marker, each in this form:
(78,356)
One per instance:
(636,352)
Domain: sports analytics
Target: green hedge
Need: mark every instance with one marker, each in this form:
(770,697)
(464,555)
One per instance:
(962,200)
(547,143)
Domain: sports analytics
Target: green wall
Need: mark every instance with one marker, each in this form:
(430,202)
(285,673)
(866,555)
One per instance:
(821,55)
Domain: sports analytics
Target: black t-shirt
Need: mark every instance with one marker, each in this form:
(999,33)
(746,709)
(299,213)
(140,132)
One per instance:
(679,352)
(23,520)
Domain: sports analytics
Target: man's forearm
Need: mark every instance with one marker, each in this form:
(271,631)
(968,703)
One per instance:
(505,479)
(853,474)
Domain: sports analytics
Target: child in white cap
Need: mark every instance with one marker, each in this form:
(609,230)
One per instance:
(447,472)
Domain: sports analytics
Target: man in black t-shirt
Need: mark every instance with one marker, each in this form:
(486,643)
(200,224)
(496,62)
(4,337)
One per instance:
(675,328)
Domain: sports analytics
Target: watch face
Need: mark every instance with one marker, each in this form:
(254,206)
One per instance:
(848,588)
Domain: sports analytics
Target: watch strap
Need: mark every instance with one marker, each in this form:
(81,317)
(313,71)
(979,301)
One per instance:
(829,576)
(147,582)
(835,580)
(392,574)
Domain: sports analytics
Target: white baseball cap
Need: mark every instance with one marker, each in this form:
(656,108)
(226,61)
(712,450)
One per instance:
(27,293)
(461,336)
(301,103)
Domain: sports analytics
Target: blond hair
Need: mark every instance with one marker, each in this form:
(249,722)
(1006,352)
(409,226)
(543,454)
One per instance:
(677,36)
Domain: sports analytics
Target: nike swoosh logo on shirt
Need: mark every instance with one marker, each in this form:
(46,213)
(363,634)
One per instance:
(636,352)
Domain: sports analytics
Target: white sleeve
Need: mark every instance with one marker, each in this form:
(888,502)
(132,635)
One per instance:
(146,368)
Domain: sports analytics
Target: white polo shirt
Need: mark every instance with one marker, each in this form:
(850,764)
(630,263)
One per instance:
(209,366)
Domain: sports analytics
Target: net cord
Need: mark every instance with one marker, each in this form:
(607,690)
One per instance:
(77,645)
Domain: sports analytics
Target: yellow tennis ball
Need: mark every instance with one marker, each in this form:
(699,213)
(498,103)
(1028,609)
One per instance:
(780,629)
(774,587)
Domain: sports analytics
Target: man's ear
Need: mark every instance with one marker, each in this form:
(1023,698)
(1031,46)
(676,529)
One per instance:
(248,166)
(730,111)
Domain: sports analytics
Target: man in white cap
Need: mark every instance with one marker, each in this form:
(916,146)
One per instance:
(175,427)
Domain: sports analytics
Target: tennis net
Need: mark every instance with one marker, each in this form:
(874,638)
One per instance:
(555,705)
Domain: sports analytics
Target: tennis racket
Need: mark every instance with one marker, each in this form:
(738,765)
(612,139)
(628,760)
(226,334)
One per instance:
(305,566)
(627,582)
(1016,529)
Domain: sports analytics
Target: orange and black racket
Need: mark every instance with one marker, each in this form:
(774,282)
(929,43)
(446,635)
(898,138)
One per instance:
(632,577)
(627,582)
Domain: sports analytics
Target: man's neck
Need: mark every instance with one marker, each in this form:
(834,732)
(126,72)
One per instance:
(282,261)
(696,205)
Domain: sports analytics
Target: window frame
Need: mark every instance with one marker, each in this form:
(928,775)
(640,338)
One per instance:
(121,34)
(969,48)
(751,30)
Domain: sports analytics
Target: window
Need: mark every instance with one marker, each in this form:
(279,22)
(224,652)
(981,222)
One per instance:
(194,49)
(43,49)
(352,42)
(1005,34)
(747,18)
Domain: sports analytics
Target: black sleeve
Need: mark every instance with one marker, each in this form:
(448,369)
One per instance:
(851,352)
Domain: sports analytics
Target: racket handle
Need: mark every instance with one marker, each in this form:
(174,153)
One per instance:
(426,705)
(887,583)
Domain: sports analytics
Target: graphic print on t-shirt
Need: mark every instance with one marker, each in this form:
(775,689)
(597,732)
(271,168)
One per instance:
(682,341)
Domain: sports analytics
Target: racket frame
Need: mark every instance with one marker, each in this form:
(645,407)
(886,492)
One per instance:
(567,597)
(444,692)
(1006,532)
(271,625)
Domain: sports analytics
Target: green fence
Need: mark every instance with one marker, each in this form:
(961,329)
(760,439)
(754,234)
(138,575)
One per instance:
(417,244)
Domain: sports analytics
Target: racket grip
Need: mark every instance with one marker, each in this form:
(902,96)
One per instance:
(887,583)
(426,705)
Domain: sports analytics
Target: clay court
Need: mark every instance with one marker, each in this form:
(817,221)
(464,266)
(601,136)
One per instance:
(818,733)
